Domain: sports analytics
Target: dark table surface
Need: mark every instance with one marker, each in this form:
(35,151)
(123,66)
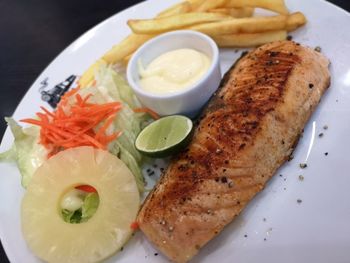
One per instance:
(33,32)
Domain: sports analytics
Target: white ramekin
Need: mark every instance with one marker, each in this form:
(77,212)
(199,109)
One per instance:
(190,100)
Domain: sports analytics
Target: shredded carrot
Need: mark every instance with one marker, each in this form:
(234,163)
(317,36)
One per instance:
(67,95)
(79,99)
(86,99)
(134,226)
(153,114)
(86,188)
(76,124)
(47,112)
(104,127)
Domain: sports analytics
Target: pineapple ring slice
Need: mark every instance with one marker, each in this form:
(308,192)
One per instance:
(54,240)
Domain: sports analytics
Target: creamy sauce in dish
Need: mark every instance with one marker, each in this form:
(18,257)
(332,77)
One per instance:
(173,71)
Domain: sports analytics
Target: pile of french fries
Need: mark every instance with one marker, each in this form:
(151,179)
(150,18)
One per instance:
(229,22)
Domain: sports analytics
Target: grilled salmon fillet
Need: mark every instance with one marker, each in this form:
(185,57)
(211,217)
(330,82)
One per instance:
(248,130)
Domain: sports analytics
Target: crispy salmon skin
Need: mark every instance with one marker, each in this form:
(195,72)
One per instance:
(248,130)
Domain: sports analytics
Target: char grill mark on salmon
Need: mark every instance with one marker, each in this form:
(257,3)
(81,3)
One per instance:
(248,130)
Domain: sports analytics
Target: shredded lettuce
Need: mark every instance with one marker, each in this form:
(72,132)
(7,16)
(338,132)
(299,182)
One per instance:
(110,86)
(9,155)
(85,212)
(73,217)
(90,206)
(26,150)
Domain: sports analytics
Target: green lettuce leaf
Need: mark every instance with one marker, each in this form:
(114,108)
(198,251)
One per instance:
(67,215)
(84,213)
(26,150)
(73,217)
(90,206)
(9,155)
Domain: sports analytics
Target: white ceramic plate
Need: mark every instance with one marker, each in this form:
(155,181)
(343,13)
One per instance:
(274,227)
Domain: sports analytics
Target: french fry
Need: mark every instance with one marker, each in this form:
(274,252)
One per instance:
(210,4)
(180,8)
(125,48)
(127,59)
(89,75)
(164,24)
(249,40)
(195,4)
(212,17)
(234,12)
(295,20)
(273,5)
(243,25)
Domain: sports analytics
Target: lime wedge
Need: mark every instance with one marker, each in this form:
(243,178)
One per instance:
(165,136)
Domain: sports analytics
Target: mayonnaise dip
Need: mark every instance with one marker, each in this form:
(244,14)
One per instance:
(173,71)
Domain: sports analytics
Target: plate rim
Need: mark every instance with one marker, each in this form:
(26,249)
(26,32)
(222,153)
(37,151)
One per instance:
(4,241)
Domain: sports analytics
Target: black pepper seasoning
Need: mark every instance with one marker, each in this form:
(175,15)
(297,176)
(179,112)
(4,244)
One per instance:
(318,49)
(289,38)
(303,165)
(299,201)
(326,153)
